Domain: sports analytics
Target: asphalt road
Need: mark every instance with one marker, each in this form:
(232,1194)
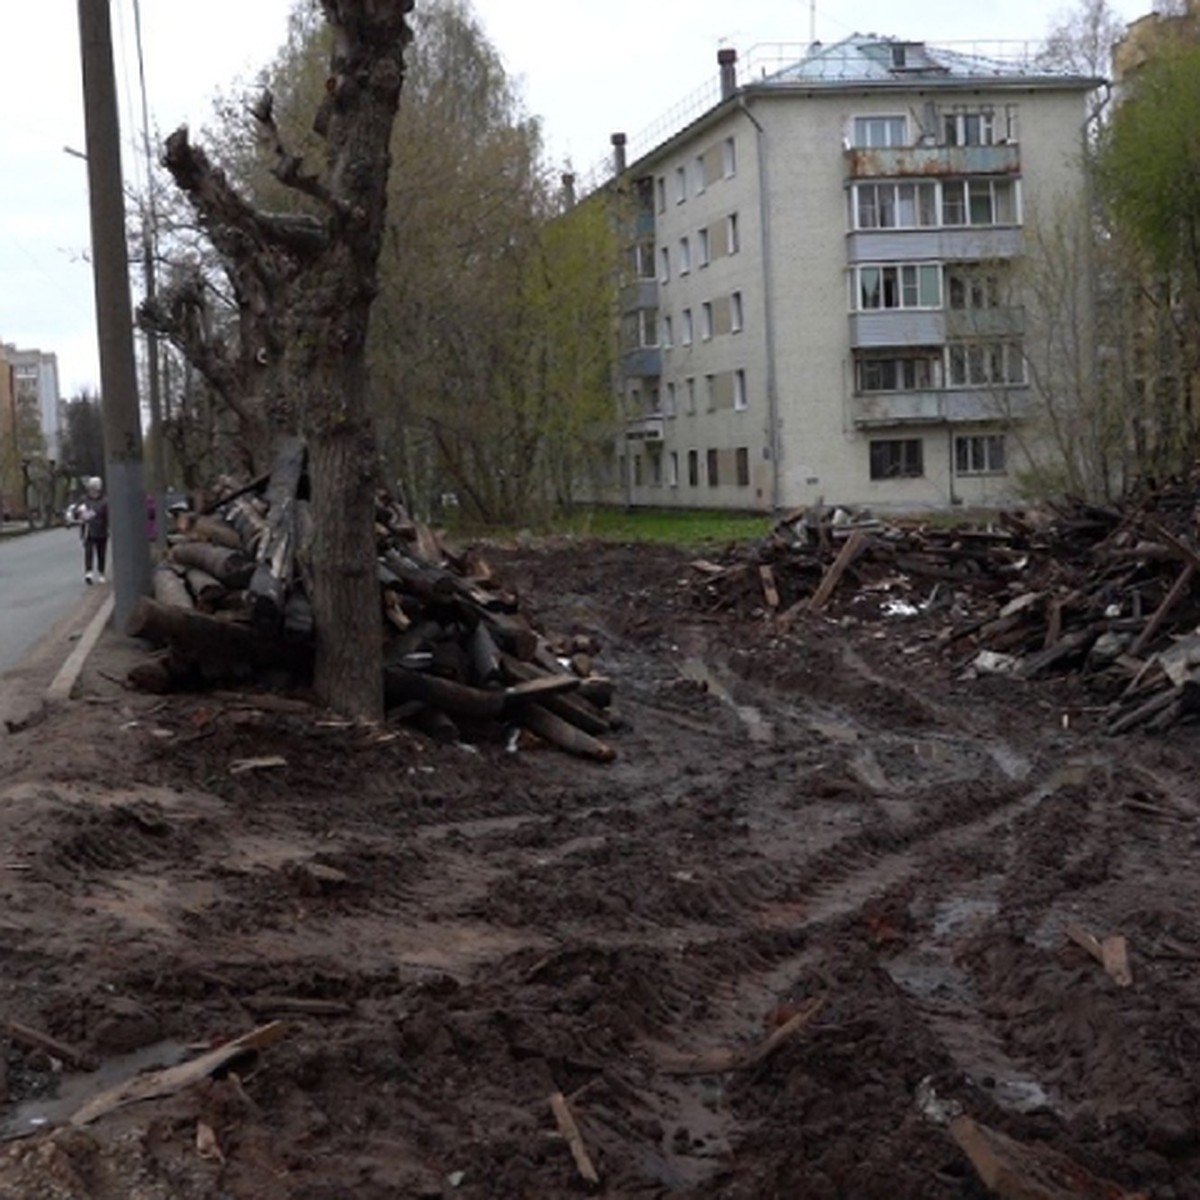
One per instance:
(41,580)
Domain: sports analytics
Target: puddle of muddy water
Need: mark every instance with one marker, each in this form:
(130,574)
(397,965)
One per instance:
(757,726)
(32,1116)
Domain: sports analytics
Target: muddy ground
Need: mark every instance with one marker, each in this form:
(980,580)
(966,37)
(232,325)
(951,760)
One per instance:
(452,934)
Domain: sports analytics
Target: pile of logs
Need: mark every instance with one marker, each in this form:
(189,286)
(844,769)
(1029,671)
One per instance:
(1108,594)
(230,602)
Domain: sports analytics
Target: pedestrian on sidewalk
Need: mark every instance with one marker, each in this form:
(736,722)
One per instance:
(92,512)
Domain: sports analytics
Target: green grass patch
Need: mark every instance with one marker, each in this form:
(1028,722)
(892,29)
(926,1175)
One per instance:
(690,529)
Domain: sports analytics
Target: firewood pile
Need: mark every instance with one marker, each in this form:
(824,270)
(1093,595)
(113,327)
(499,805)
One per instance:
(230,603)
(1108,594)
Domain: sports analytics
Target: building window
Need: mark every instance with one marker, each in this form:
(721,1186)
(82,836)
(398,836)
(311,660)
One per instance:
(897,458)
(685,256)
(891,372)
(670,409)
(693,468)
(735,313)
(647,328)
(895,205)
(729,158)
(680,185)
(983,364)
(743,466)
(637,470)
(706,321)
(733,241)
(656,466)
(904,286)
(872,133)
(702,247)
(979,454)
(979,202)
(698,166)
(642,260)
(963,126)
(667,333)
(740,401)
(673,469)
(661,190)
(685,332)
(714,474)
(690,394)
(710,392)
(664,264)
(969,287)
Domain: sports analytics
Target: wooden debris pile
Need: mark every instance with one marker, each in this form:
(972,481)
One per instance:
(230,601)
(1108,594)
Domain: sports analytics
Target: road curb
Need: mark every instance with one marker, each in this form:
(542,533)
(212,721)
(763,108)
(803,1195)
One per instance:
(63,683)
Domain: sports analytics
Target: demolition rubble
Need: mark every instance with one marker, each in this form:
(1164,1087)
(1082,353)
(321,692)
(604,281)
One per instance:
(1106,593)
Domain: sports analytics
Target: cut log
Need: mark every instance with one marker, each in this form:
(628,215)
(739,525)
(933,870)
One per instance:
(770,591)
(170,588)
(206,589)
(573,708)
(231,567)
(459,699)
(553,729)
(217,644)
(212,530)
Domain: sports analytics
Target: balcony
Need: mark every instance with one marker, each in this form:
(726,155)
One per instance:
(643,363)
(641,293)
(932,327)
(945,406)
(975,243)
(645,429)
(910,162)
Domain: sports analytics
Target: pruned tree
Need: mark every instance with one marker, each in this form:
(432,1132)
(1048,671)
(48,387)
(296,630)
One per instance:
(304,282)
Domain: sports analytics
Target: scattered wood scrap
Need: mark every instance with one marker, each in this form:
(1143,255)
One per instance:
(1015,1170)
(171,1080)
(569,1128)
(719,1062)
(1112,953)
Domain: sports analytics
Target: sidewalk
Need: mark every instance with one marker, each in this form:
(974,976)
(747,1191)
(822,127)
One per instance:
(49,672)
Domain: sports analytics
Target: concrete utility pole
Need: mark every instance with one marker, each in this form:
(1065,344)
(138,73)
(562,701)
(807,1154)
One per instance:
(124,480)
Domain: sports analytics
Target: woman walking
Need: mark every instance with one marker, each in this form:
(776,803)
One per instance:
(92,512)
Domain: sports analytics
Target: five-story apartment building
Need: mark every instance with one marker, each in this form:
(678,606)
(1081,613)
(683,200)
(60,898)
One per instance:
(825,293)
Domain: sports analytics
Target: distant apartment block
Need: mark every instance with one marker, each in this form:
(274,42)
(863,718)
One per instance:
(35,387)
(824,295)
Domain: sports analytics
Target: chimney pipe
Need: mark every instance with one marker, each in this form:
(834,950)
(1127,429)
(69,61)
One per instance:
(568,190)
(727,61)
(618,145)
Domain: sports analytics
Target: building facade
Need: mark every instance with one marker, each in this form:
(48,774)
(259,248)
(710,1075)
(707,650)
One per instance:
(824,297)
(36,376)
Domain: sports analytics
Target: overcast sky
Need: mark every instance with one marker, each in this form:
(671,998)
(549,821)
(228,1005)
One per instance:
(586,67)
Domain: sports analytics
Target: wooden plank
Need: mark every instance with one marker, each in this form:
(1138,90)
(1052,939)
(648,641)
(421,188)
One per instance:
(1178,588)
(770,591)
(848,553)
(174,1079)
(568,1127)
(717,1062)
(1014,1170)
(24,1035)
